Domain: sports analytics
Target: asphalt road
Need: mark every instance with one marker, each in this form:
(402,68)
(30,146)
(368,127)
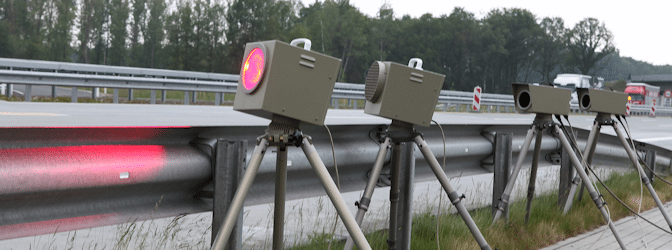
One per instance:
(656,131)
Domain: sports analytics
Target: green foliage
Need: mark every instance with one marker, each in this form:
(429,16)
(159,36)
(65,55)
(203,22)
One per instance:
(588,42)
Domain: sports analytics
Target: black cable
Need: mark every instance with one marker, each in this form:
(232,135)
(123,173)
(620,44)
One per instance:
(623,203)
(611,192)
(627,132)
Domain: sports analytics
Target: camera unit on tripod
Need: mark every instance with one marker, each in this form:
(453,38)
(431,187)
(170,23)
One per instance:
(602,101)
(541,99)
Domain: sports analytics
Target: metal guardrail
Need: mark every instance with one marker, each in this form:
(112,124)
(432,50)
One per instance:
(79,191)
(75,75)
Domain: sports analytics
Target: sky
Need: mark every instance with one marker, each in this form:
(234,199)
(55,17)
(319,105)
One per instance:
(642,29)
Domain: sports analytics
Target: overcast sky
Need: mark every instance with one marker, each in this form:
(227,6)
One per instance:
(642,28)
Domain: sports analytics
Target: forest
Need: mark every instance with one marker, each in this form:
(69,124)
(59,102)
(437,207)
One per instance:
(506,45)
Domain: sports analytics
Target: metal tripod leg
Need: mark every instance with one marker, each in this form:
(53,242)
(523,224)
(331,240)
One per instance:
(334,195)
(364,202)
(238,199)
(588,152)
(394,196)
(279,205)
(596,197)
(645,179)
(504,200)
(533,175)
(452,194)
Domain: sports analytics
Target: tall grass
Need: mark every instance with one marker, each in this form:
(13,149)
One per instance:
(547,225)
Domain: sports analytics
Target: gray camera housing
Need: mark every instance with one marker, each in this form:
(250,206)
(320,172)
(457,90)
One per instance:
(541,99)
(602,101)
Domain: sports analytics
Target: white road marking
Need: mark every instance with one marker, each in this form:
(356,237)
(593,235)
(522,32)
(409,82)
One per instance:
(656,139)
(30,114)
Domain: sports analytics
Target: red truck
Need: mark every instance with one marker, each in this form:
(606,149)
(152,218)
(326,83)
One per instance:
(642,93)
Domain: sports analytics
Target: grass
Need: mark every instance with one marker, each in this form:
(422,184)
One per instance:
(547,224)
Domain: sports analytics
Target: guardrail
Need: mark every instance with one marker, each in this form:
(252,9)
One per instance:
(77,75)
(79,191)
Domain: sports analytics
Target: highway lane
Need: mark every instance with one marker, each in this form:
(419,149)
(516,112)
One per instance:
(657,131)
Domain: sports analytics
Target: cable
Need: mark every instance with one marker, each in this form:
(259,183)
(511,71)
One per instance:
(338,181)
(438,216)
(627,132)
(614,195)
(575,144)
(641,189)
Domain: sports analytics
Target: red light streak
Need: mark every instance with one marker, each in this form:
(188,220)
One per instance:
(67,167)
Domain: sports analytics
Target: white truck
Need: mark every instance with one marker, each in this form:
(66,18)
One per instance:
(573,81)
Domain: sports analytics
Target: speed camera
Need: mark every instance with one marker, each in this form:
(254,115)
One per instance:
(602,101)
(541,99)
(401,92)
(280,78)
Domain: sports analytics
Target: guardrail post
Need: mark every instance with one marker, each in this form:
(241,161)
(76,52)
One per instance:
(193,96)
(650,160)
(445,107)
(74,96)
(53,91)
(566,176)
(115,95)
(406,195)
(9,90)
(218,98)
(229,162)
(130,95)
(163,96)
(502,168)
(186,97)
(26,94)
(94,93)
(152,96)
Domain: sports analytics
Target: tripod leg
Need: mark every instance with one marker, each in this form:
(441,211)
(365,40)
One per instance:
(452,194)
(279,209)
(335,196)
(504,200)
(645,178)
(239,197)
(588,152)
(533,175)
(394,196)
(596,197)
(363,204)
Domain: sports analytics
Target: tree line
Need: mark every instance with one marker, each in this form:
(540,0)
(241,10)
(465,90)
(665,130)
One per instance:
(505,46)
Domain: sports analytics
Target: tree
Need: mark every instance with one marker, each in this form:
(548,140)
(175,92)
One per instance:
(137,27)
(61,31)
(512,35)
(551,48)
(589,42)
(86,26)
(119,12)
(154,33)
(255,20)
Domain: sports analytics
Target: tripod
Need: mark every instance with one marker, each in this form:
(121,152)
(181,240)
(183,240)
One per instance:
(542,122)
(281,133)
(397,133)
(605,119)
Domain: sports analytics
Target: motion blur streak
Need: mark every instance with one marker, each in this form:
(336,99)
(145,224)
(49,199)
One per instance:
(67,167)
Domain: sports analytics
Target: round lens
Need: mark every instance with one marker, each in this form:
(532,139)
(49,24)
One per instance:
(253,69)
